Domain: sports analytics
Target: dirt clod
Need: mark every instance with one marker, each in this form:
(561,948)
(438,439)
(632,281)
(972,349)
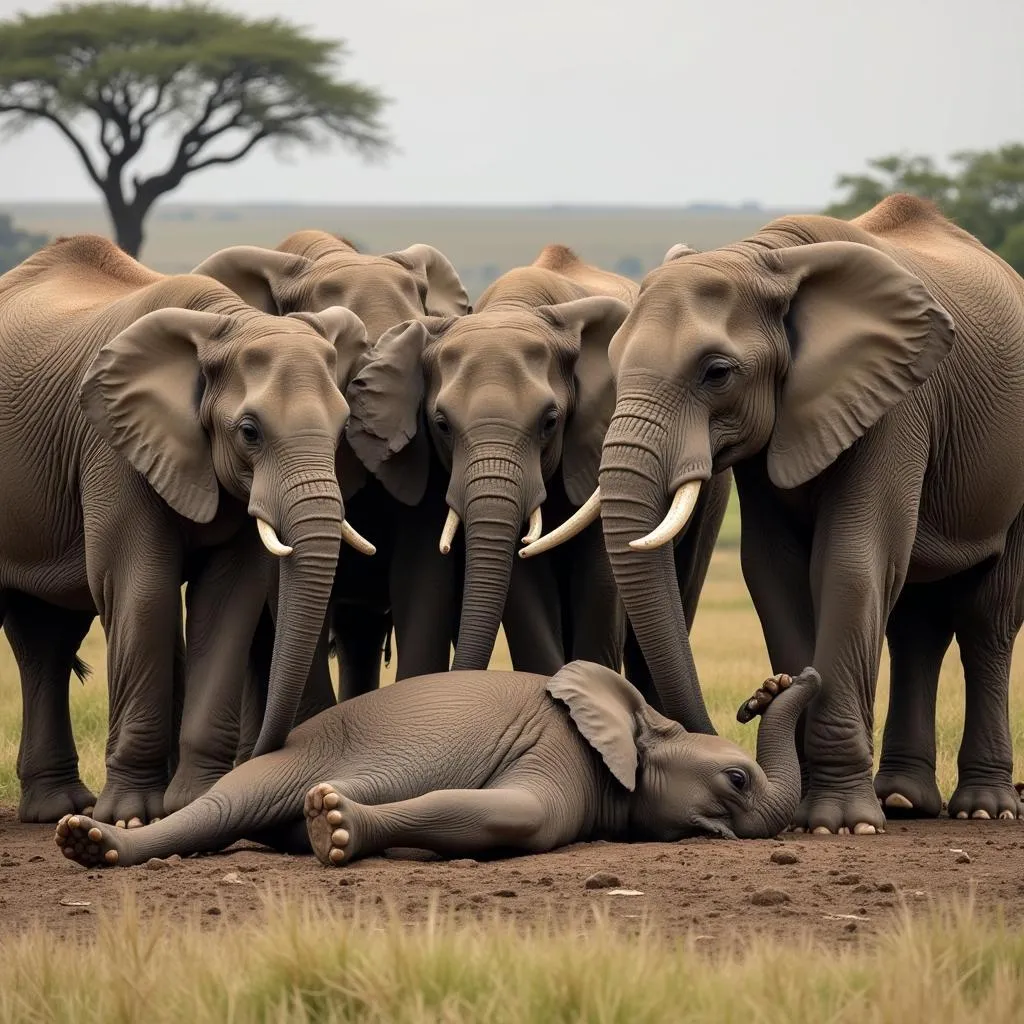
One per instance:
(784,857)
(770,897)
(156,864)
(847,879)
(963,858)
(602,880)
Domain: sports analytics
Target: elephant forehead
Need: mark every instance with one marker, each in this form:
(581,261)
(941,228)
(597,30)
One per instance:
(300,355)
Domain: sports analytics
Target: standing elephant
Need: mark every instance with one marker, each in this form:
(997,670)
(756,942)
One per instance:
(569,758)
(307,272)
(147,422)
(513,400)
(837,367)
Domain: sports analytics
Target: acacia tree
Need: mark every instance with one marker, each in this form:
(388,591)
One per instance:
(983,192)
(114,77)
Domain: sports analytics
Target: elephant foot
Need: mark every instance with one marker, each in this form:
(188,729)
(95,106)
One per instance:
(90,842)
(850,809)
(48,800)
(908,794)
(332,822)
(130,805)
(985,801)
(189,783)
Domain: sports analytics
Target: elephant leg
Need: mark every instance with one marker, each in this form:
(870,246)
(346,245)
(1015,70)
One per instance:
(423,589)
(224,601)
(318,694)
(636,669)
(45,641)
(863,538)
(261,797)
(697,545)
(178,705)
(988,620)
(919,632)
(256,685)
(448,822)
(598,616)
(533,616)
(359,637)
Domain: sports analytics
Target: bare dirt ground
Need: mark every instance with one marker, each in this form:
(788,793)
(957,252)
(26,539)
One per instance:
(840,889)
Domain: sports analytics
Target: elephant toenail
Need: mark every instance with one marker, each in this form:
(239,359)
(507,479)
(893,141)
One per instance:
(898,800)
(339,837)
(982,813)
(962,815)
(822,830)
(1007,814)
(336,856)
(863,828)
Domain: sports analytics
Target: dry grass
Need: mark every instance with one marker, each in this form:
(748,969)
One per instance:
(312,963)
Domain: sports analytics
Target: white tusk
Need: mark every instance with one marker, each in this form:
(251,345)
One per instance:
(451,526)
(270,539)
(677,517)
(576,523)
(350,535)
(536,527)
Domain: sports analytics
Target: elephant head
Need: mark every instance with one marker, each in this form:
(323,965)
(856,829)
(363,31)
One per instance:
(789,355)
(313,270)
(251,405)
(506,397)
(681,783)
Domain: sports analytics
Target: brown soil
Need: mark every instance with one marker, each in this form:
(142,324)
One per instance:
(841,889)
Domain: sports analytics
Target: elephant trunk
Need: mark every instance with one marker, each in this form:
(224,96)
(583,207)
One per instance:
(633,503)
(311,524)
(777,754)
(494,514)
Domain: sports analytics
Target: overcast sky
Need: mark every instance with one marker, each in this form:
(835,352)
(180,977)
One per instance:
(623,101)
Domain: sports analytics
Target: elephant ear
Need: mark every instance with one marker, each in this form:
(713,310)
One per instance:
(677,250)
(863,332)
(609,711)
(589,324)
(385,398)
(140,394)
(347,332)
(445,294)
(265,278)
(340,326)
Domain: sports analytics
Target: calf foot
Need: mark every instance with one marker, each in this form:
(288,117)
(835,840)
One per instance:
(763,696)
(332,822)
(910,793)
(985,801)
(45,800)
(89,842)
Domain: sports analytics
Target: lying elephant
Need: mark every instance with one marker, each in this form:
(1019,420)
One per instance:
(575,756)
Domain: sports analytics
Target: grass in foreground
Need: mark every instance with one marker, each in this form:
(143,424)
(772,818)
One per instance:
(300,964)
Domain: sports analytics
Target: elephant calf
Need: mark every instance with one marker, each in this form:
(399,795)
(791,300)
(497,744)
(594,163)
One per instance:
(575,756)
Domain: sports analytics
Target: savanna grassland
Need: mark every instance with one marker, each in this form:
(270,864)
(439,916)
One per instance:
(921,923)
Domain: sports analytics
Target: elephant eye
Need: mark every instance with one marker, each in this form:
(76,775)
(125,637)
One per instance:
(548,423)
(717,372)
(250,431)
(442,424)
(738,778)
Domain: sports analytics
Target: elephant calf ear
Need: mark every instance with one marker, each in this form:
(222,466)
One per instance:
(605,707)
(265,278)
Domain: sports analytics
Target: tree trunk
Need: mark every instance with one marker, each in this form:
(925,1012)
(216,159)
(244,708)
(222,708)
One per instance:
(127,220)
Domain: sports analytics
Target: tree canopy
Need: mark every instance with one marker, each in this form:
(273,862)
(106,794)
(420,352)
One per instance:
(111,77)
(983,191)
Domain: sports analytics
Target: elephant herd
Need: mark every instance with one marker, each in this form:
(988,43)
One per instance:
(555,461)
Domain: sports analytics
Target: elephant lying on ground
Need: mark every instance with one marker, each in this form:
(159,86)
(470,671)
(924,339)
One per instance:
(556,760)
(147,424)
(863,380)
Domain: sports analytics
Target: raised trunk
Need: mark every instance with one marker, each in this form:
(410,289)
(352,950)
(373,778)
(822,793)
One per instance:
(310,523)
(634,501)
(493,520)
(777,754)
